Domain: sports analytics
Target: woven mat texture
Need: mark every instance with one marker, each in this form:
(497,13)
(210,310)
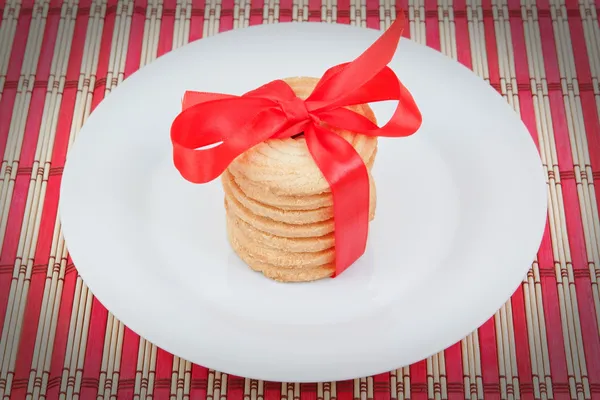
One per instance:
(59,59)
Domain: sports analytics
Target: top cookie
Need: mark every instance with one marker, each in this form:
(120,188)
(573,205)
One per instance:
(285,166)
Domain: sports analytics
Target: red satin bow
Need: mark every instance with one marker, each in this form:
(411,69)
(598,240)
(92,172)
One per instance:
(273,111)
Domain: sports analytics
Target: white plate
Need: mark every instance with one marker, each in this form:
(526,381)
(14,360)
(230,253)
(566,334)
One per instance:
(461,211)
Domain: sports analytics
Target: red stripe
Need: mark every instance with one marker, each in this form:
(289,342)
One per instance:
(199,374)
(343,6)
(373,18)
(226,22)
(554,335)
(136,37)
(454,371)
(382,381)
(491,45)
(165,38)
(256,16)
(164,368)
(418,380)
(314,10)
(432,26)
(235,387)
(489,359)
(94,347)
(127,371)
(197,21)
(61,334)
(344,390)
(522,349)
(103,59)
(463,43)
(18,48)
(285,10)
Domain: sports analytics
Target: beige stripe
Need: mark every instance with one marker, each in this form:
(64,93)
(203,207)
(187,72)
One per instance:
(326,390)
(270,11)
(8,27)
(416,18)
(145,371)
(329,11)
(212,16)
(177,378)
(436,377)
(241,13)
(358,13)
(534,308)
(151,31)
(387,13)
(507,359)
(35,197)
(591,30)
(299,10)
(287,391)
(82,301)
(536,333)
(583,175)
(447,28)
(183,14)
(400,383)
(40,366)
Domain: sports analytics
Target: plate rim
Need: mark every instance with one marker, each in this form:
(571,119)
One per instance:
(67,172)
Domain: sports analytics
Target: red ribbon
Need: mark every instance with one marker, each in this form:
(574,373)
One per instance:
(273,111)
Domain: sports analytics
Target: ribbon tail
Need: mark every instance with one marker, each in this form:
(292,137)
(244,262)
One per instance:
(341,81)
(348,178)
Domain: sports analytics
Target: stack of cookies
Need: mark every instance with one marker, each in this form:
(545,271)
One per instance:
(279,206)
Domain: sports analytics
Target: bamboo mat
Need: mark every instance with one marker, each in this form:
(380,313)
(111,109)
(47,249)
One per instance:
(59,59)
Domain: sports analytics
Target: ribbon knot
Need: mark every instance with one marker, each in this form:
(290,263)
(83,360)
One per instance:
(295,110)
(231,125)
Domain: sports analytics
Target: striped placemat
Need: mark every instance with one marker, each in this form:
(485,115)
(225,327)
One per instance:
(58,59)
